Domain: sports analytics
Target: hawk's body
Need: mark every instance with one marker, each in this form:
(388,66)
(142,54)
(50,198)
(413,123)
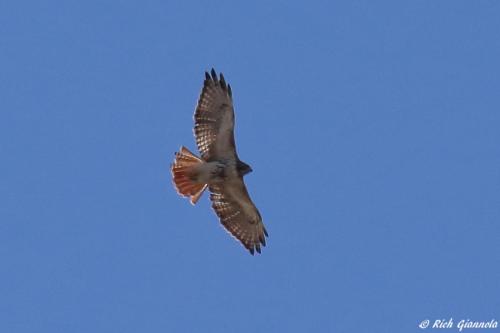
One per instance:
(219,167)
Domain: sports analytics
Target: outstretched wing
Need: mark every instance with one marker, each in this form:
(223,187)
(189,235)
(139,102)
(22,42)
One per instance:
(238,214)
(214,119)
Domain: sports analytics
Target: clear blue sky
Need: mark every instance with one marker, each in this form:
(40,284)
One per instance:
(373,129)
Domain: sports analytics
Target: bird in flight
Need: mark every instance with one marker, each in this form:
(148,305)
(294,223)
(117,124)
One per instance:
(219,167)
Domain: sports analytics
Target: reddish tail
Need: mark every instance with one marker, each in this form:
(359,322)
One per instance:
(181,172)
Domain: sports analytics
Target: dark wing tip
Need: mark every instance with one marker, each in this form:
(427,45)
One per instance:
(257,247)
(265,232)
(212,76)
(262,240)
(223,82)
(251,251)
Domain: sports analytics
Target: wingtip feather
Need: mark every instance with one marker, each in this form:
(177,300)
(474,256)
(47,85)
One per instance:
(222,82)
(262,240)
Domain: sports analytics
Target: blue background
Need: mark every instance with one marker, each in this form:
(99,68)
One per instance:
(373,129)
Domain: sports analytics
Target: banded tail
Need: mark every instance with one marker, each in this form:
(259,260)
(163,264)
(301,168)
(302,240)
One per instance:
(182,168)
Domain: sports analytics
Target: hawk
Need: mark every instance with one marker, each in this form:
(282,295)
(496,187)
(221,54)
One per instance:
(219,167)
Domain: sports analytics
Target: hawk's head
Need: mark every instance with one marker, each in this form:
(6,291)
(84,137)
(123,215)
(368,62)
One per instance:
(243,168)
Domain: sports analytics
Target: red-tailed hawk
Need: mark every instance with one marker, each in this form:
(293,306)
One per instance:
(219,167)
